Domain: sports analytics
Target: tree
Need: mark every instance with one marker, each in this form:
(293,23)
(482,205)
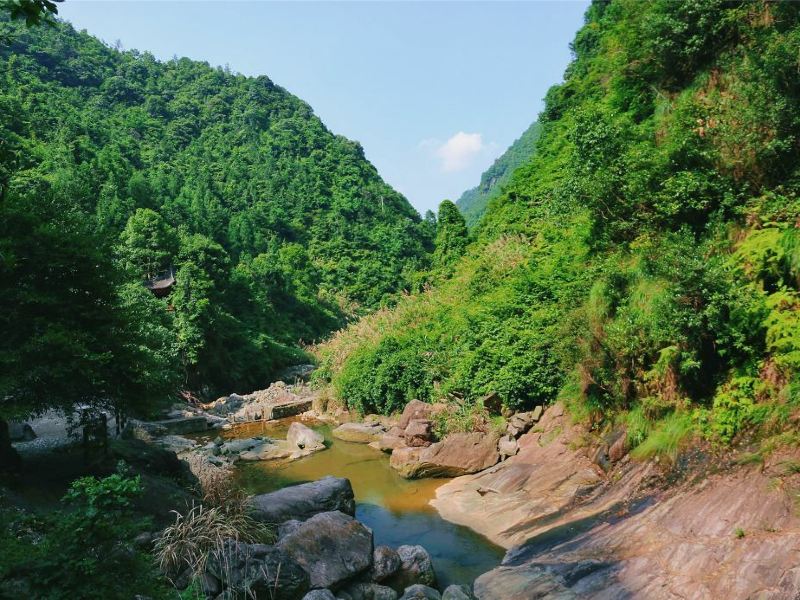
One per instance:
(148,243)
(33,12)
(69,336)
(451,237)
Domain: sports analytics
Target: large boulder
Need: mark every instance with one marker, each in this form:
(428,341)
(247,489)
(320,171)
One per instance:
(415,567)
(416,409)
(305,500)
(458,454)
(419,432)
(304,438)
(332,547)
(360,433)
(268,450)
(257,570)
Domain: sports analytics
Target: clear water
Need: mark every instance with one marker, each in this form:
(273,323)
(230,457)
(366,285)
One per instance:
(396,509)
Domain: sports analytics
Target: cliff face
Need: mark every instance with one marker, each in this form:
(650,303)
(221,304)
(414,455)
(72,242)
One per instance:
(573,529)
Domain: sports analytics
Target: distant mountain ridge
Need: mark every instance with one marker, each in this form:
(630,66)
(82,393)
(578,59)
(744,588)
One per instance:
(473,202)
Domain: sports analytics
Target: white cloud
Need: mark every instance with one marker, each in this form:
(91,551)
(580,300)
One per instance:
(457,153)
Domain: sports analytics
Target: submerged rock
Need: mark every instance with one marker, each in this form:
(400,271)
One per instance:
(305,500)
(332,547)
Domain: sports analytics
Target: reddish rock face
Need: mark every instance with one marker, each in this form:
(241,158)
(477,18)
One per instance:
(575,533)
(415,409)
(419,433)
(457,454)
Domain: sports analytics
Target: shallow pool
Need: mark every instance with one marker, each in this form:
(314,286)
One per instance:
(396,509)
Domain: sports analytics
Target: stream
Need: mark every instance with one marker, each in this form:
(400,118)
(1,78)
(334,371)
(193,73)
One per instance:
(396,509)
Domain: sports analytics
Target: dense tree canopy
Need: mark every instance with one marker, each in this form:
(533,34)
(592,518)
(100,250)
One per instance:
(643,263)
(115,167)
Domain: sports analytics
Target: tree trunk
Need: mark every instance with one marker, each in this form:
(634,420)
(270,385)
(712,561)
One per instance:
(9,459)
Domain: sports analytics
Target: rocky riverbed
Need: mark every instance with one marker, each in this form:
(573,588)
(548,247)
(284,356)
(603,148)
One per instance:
(582,520)
(322,552)
(577,516)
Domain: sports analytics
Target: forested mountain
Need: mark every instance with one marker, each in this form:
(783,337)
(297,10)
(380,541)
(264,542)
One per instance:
(473,202)
(643,264)
(115,167)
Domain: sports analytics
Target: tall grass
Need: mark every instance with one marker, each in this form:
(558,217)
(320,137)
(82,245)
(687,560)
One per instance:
(224,514)
(667,438)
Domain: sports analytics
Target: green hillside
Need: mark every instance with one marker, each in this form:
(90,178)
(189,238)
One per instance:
(473,202)
(276,229)
(643,265)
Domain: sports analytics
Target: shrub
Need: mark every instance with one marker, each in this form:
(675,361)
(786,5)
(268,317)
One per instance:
(85,550)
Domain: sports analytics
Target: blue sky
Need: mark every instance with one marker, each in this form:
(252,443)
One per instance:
(434,91)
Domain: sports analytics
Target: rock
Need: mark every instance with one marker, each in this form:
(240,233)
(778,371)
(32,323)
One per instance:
(394,438)
(521,583)
(153,460)
(415,567)
(332,547)
(458,454)
(304,438)
(419,432)
(20,432)
(178,426)
(268,451)
(370,591)
(492,403)
(259,570)
(405,461)
(319,595)
(458,592)
(385,563)
(143,541)
(360,433)
(240,445)
(619,448)
(420,592)
(210,585)
(175,443)
(415,409)
(520,423)
(507,446)
(288,527)
(305,500)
